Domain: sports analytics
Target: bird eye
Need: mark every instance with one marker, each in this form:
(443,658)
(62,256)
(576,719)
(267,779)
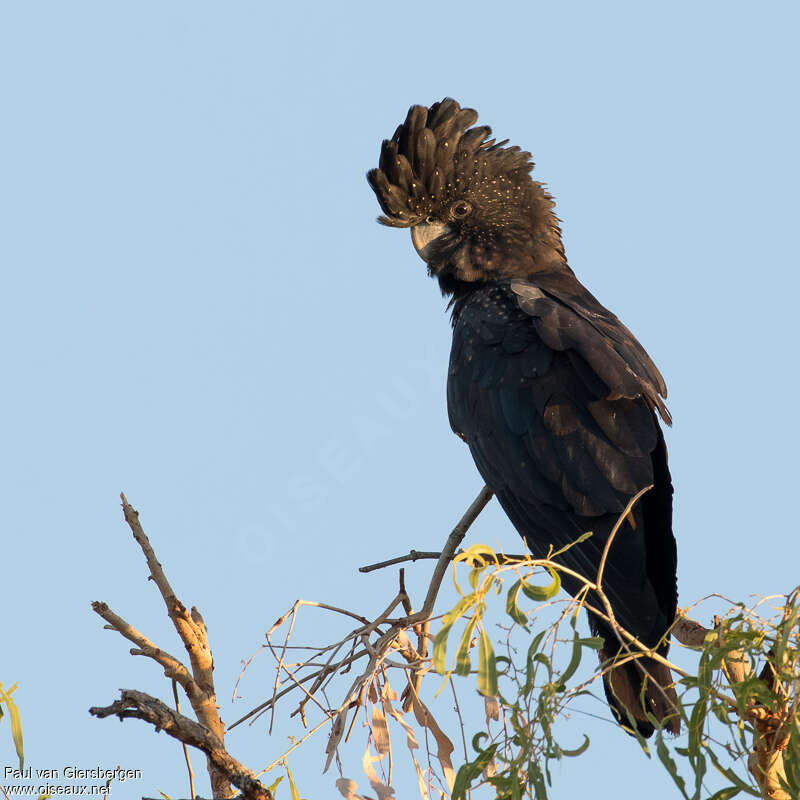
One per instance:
(461,209)
(429,219)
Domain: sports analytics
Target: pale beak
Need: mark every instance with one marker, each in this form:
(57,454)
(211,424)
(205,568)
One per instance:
(424,233)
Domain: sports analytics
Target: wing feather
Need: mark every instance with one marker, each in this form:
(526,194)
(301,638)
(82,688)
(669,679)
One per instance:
(563,429)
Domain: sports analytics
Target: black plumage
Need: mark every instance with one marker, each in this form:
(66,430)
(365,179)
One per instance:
(555,397)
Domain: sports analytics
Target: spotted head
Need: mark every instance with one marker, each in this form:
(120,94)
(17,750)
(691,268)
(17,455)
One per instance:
(474,211)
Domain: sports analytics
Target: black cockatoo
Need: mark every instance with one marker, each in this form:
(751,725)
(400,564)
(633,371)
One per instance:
(556,399)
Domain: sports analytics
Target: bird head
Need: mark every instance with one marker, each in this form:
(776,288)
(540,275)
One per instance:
(474,211)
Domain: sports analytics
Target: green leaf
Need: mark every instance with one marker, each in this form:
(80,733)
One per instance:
(785,630)
(536,779)
(292,787)
(482,761)
(440,649)
(271,788)
(474,576)
(725,794)
(582,538)
(544,659)
(541,593)
(487,667)
(512,609)
(578,750)
(696,725)
(791,761)
(730,774)
(476,741)
(458,611)
(530,665)
(574,662)
(440,640)
(477,555)
(463,663)
(669,763)
(472,770)
(506,663)
(462,782)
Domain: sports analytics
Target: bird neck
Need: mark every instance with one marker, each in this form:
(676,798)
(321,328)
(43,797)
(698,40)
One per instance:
(543,254)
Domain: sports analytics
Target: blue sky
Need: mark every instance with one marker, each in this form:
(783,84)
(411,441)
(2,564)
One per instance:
(199,309)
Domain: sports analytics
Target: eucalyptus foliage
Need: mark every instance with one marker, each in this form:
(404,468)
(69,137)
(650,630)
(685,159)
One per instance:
(739,709)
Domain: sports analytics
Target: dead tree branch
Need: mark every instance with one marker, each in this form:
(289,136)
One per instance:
(376,651)
(208,733)
(451,545)
(138,705)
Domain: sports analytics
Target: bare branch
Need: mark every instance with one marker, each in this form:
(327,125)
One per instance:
(377,651)
(688,632)
(173,668)
(414,555)
(197,683)
(190,626)
(451,545)
(138,705)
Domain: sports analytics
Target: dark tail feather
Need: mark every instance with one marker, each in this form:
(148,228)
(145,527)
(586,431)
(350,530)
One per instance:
(623,687)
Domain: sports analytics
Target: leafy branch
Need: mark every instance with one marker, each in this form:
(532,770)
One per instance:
(740,707)
(510,633)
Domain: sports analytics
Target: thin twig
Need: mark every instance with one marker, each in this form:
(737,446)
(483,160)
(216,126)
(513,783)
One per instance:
(453,542)
(427,555)
(414,555)
(378,650)
(460,718)
(183,744)
(280,664)
(294,745)
(245,665)
(321,673)
(404,594)
(622,517)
